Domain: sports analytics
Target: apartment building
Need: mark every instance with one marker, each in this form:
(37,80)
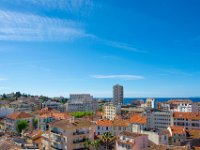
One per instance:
(129,140)
(47,115)
(118,95)
(12,119)
(151,103)
(103,126)
(54,105)
(115,127)
(188,120)
(81,102)
(4,111)
(120,126)
(70,134)
(187,107)
(138,122)
(159,120)
(111,111)
(177,135)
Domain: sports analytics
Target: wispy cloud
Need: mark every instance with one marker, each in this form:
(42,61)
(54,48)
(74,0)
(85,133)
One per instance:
(119,45)
(122,77)
(69,5)
(28,27)
(123,46)
(64,5)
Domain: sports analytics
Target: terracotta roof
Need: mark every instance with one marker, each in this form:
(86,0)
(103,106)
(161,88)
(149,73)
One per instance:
(187,115)
(104,123)
(177,130)
(66,124)
(47,110)
(194,133)
(121,123)
(196,148)
(179,101)
(138,119)
(19,115)
(131,134)
(55,115)
(35,134)
(8,145)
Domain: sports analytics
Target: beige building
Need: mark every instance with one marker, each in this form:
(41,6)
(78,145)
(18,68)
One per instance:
(70,134)
(150,103)
(12,119)
(111,111)
(131,141)
(177,135)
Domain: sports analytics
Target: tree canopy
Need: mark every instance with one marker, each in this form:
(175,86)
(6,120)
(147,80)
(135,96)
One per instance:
(21,125)
(81,114)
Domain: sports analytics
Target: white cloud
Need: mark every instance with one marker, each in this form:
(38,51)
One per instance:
(28,27)
(122,77)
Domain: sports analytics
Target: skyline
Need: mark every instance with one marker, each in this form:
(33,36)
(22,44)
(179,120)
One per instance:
(54,48)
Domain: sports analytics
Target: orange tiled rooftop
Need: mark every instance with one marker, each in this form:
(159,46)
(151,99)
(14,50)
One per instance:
(104,123)
(187,115)
(177,130)
(138,119)
(19,115)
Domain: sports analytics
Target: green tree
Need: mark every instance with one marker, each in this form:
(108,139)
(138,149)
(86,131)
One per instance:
(81,114)
(18,94)
(4,96)
(106,138)
(88,143)
(21,125)
(95,144)
(35,123)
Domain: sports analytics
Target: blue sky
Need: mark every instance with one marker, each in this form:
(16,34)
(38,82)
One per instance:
(57,47)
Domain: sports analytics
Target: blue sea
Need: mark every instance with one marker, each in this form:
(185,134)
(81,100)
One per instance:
(129,100)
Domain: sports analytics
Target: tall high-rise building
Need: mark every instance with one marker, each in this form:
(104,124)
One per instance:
(118,95)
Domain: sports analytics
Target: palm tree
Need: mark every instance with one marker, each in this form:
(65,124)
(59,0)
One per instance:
(106,138)
(88,143)
(96,144)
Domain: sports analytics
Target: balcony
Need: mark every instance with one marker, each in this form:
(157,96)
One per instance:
(56,147)
(80,132)
(57,140)
(79,141)
(56,132)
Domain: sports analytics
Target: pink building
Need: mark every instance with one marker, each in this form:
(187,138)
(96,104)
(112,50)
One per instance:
(131,141)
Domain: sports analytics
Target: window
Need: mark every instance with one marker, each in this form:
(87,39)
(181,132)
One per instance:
(106,128)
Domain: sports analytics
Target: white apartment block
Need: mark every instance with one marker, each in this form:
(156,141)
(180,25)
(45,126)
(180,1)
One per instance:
(159,120)
(81,102)
(150,103)
(187,107)
(188,120)
(129,140)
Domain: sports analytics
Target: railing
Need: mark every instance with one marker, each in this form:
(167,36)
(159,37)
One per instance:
(80,132)
(56,147)
(79,141)
(56,132)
